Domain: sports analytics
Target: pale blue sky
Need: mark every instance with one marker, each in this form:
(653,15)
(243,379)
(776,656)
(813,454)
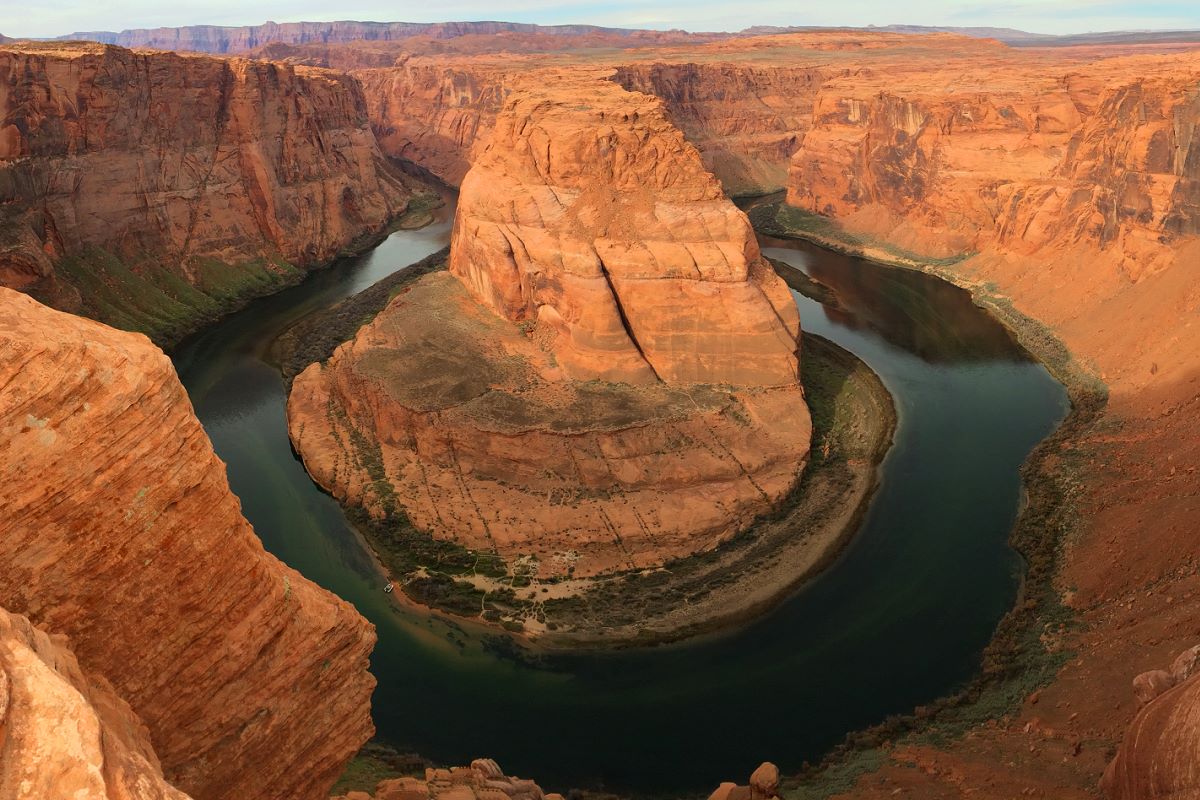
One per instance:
(53,17)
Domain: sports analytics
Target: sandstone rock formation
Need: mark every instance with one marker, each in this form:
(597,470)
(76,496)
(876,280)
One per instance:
(483,780)
(1158,758)
(151,189)
(436,114)
(590,215)
(764,785)
(120,531)
(65,734)
(612,381)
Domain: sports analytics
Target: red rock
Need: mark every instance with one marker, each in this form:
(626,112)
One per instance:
(764,781)
(169,164)
(120,530)
(1150,685)
(66,733)
(598,222)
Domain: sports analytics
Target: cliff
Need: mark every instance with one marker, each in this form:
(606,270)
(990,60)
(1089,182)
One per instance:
(153,191)
(608,378)
(590,215)
(745,119)
(120,531)
(66,734)
(435,114)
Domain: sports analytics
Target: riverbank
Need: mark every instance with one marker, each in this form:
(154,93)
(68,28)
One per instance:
(149,298)
(853,417)
(1026,650)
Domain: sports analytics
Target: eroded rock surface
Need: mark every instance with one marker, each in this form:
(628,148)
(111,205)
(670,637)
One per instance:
(120,531)
(589,215)
(608,378)
(1158,759)
(65,734)
(149,189)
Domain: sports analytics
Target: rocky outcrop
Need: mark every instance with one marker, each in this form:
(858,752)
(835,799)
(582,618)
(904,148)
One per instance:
(483,780)
(612,380)
(589,215)
(464,422)
(65,734)
(151,190)
(1157,760)
(764,785)
(120,531)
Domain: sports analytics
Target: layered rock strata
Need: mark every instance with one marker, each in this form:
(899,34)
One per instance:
(120,531)
(589,215)
(607,380)
(150,189)
(66,734)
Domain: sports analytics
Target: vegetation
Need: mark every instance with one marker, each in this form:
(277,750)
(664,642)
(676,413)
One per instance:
(782,221)
(315,337)
(150,298)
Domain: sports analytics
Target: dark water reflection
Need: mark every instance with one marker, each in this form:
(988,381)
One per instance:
(901,617)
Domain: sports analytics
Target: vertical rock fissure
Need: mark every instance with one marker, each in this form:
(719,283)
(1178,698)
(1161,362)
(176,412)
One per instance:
(624,318)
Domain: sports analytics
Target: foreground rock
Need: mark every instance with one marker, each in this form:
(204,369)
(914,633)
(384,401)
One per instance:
(120,530)
(608,379)
(67,734)
(152,190)
(1157,760)
(483,780)
(764,785)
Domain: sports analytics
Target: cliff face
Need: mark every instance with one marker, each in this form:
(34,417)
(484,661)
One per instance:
(120,531)
(150,189)
(436,115)
(746,120)
(612,380)
(1037,163)
(590,215)
(67,734)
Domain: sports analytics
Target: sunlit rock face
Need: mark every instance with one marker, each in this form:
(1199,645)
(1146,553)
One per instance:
(120,530)
(591,216)
(608,377)
(138,186)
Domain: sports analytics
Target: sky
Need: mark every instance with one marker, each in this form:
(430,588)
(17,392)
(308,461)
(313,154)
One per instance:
(54,17)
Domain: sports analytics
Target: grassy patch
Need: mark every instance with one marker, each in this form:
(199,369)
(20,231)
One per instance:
(783,221)
(374,763)
(316,336)
(151,298)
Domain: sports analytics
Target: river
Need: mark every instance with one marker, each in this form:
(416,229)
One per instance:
(899,619)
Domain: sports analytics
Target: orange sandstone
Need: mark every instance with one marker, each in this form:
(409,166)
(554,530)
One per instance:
(120,531)
(610,383)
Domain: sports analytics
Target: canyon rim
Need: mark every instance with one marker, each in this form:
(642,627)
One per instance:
(601,381)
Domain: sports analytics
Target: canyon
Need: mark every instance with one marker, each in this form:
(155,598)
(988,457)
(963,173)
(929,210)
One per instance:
(1060,186)
(608,377)
(156,191)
